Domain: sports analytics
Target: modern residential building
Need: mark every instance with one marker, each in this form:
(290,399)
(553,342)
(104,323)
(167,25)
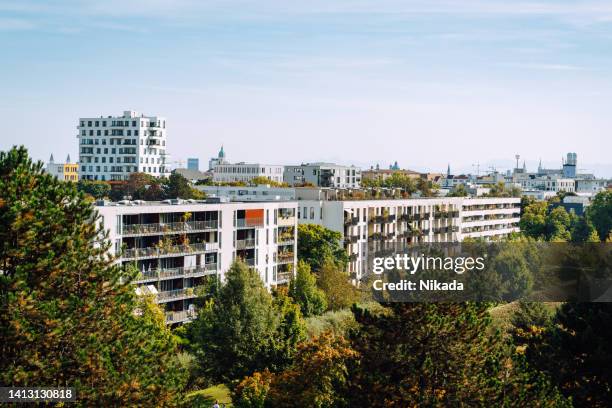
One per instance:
(193,164)
(177,245)
(246,172)
(112,147)
(249,193)
(366,225)
(323,175)
(67,171)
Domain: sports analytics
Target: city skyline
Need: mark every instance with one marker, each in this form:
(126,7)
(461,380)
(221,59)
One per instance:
(423,83)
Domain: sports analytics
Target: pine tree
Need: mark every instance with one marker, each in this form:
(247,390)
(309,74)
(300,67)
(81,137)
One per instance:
(68,315)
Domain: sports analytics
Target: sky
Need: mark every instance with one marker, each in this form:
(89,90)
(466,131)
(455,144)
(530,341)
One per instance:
(424,82)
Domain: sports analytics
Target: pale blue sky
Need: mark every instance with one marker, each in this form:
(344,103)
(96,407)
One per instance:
(423,82)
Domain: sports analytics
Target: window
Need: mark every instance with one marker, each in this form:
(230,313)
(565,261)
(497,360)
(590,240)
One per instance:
(89,123)
(312,213)
(103,123)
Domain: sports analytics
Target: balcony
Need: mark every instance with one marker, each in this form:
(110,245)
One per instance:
(178,294)
(389,218)
(283,277)
(171,227)
(245,243)
(177,250)
(351,239)
(351,221)
(174,273)
(286,221)
(285,257)
(377,236)
(181,316)
(353,257)
(249,223)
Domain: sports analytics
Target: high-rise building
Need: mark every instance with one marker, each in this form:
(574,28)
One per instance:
(112,147)
(193,164)
(67,171)
(177,245)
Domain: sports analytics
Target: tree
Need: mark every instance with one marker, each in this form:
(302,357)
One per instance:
(70,316)
(96,189)
(138,186)
(576,352)
(322,361)
(557,226)
(334,282)
(533,219)
(304,291)
(241,330)
(459,191)
(584,231)
(178,186)
(268,181)
(426,187)
(600,214)
(439,354)
(317,243)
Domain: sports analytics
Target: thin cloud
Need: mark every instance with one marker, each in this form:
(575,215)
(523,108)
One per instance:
(16,24)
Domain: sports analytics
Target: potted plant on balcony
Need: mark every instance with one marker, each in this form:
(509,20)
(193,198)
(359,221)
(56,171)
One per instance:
(189,291)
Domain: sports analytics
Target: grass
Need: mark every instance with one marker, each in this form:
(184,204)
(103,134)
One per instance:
(502,314)
(207,397)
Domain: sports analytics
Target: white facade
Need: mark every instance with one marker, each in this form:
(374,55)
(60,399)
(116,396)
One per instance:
(246,172)
(249,193)
(112,147)
(177,244)
(323,175)
(375,222)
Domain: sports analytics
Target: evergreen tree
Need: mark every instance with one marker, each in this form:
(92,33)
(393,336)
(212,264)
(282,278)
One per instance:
(439,354)
(304,291)
(68,315)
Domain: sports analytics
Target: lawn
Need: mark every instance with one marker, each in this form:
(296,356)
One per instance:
(206,398)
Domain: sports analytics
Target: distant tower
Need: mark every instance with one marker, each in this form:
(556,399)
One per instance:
(448,171)
(51,158)
(569,166)
(524,167)
(377,166)
(540,166)
(517,157)
(68,159)
(220,159)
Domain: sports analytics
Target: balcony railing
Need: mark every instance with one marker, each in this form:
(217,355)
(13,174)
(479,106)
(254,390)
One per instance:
(245,243)
(177,294)
(181,316)
(286,240)
(176,250)
(351,239)
(283,277)
(351,221)
(172,273)
(285,257)
(249,222)
(189,226)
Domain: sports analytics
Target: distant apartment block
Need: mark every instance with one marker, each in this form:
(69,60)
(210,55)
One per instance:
(193,164)
(366,225)
(177,245)
(112,147)
(246,172)
(249,193)
(323,175)
(67,171)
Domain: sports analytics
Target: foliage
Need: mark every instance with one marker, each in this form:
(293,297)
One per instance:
(242,329)
(334,282)
(576,352)
(178,186)
(256,181)
(439,354)
(600,214)
(317,244)
(69,315)
(322,361)
(304,291)
(501,190)
(458,191)
(338,322)
(96,189)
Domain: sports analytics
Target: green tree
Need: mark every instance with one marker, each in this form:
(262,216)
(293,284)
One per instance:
(557,226)
(459,191)
(138,186)
(334,282)
(439,354)
(241,330)
(96,189)
(600,213)
(533,219)
(69,315)
(304,291)
(317,244)
(177,186)
(584,231)
(399,180)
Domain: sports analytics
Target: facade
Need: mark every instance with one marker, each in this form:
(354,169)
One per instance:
(67,171)
(112,147)
(245,172)
(193,164)
(177,245)
(249,193)
(323,175)
(417,220)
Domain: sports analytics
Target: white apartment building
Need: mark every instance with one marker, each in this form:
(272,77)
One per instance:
(246,172)
(416,220)
(249,193)
(323,175)
(112,147)
(177,245)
